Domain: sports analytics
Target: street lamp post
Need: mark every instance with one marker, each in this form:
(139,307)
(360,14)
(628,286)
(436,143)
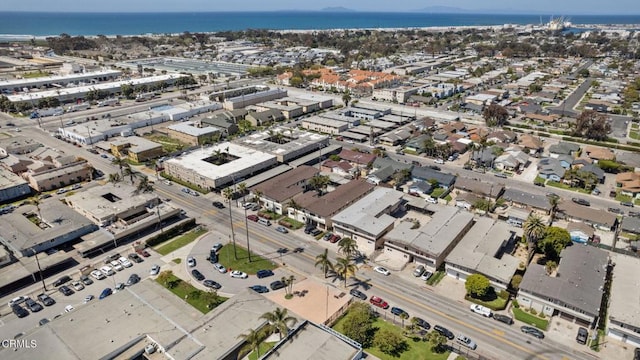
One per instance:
(246,226)
(35,254)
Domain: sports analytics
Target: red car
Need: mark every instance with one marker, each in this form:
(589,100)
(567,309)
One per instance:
(334,238)
(253,218)
(143,252)
(374,300)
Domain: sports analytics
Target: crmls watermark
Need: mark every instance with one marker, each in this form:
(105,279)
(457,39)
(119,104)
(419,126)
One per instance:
(19,344)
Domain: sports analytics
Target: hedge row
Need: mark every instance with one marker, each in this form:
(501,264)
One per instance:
(171,233)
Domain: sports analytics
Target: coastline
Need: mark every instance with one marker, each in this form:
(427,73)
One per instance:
(538,27)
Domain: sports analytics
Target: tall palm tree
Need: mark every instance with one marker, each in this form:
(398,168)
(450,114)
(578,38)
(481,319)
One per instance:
(346,98)
(324,261)
(553,202)
(347,246)
(345,268)
(319,183)
(121,162)
(128,171)
(534,228)
(252,341)
(242,189)
(114,178)
(35,201)
(143,185)
(279,321)
(228,194)
(257,194)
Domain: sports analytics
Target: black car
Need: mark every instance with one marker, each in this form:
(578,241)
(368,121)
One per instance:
(444,332)
(316,232)
(63,280)
(422,323)
(358,294)
(135,258)
(32,305)
(636,354)
(46,299)
(264,273)
(634,214)
(309,229)
(436,168)
(197,274)
(397,311)
(259,289)
(43,322)
(615,211)
(86,280)
(532,331)
(133,279)
(19,311)
(581,338)
(213,257)
(582,202)
(503,318)
(211,284)
(277,285)
(65,290)
(218,204)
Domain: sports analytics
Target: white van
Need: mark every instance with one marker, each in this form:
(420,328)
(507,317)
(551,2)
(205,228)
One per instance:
(107,270)
(264,222)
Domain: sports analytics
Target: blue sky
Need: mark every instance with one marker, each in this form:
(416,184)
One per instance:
(563,7)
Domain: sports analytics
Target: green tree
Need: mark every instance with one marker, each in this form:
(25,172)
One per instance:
(211,298)
(358,324)
(477,285)
(592,125)
(534,229)
(347,246)
(390,342)
(437,341)
(495,115)
(121,163)
(324,261)
(346,98)
(515,281)
(143,185)
(319,183)
(344,267)
(554,241)
(252,341)
(550,266)
(279,321)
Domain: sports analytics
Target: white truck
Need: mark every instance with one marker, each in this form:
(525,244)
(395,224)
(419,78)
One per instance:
(79,107)
(481,310)
(108,102)
(47,112)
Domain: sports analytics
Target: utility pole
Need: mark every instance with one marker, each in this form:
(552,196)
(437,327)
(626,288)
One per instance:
(35,254)
(246,226)
(233,235)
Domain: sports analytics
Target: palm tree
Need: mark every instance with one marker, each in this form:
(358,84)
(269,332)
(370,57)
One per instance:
(553,202)
(228,194)
(346,98)
(347,246)
(121,162)
(114,178)
(344,267)
(534,229)
(279,321)
(319,183)
(324,261)
(128,171)
(143,185)
(257,195)
(252,341)
(242,189)
(35,201)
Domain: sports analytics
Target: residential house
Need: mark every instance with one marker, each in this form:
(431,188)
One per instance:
(630,225)
(483,157)
(580,232)
(421,188)
(356,158)
(276,192)
(564,148)
(226,121)
(598,218)
(521,199)
(466,200)
(430,175)
(628,183)
(623,321)
(484,250)
(342,168)
(511,160)
(395,137)
(517,216)
(136,149)
(531,144)
(481,189)
(430,243)
(574,291)
(595,170)
(599,153)
(383,169)
(264,118)
(502,136)
(417,144)
(369,219)
(551,169)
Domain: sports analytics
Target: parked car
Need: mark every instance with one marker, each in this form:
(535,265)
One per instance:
(191,261)
(133,279)
(503,318)
(77,285)
(221,269)
(237,274)
(439,161)
(216,247)
(106,292)
(481,310)
(63,280)
(358,294)
(69,308)
(501,175)
(32,305)
(211,284)
(464,340)
(422,323)
(264,273)
(381,270)
(426,276)
(107,270)
(135,258)
(334,238)
(615,211)
(581,338)
(626,203)
(65,290)
(155,269)
(444,332)
(86,280)
(532,331)
(398,311)
(276,285)
(260,289)
(376,301)
(115,264)
(264,222)
(582,202)
(143,252)
(316,232)
(218,204)
(43,322)
(125,262)
(327,236)
(17,300)
(19,311)
(46,299)
(282,229)
(197,274)
(98,275)
(88,298)
(418,271)
(253,218)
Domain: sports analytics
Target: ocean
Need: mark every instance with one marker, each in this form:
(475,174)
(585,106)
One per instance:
(45,24)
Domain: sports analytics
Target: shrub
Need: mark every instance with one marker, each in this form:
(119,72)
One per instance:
(533,311)
(503,294)
(542,316)
(515,304)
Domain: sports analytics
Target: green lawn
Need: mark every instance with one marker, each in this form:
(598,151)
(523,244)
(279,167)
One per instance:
(35,74)
(226,258)
(634,135)
(525,317)
(179,241)
(567,187)
(496,304)
(193,296)
(437,192)
(436,277)
(417,350)
(169,145)
(294,224)
(264,347)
